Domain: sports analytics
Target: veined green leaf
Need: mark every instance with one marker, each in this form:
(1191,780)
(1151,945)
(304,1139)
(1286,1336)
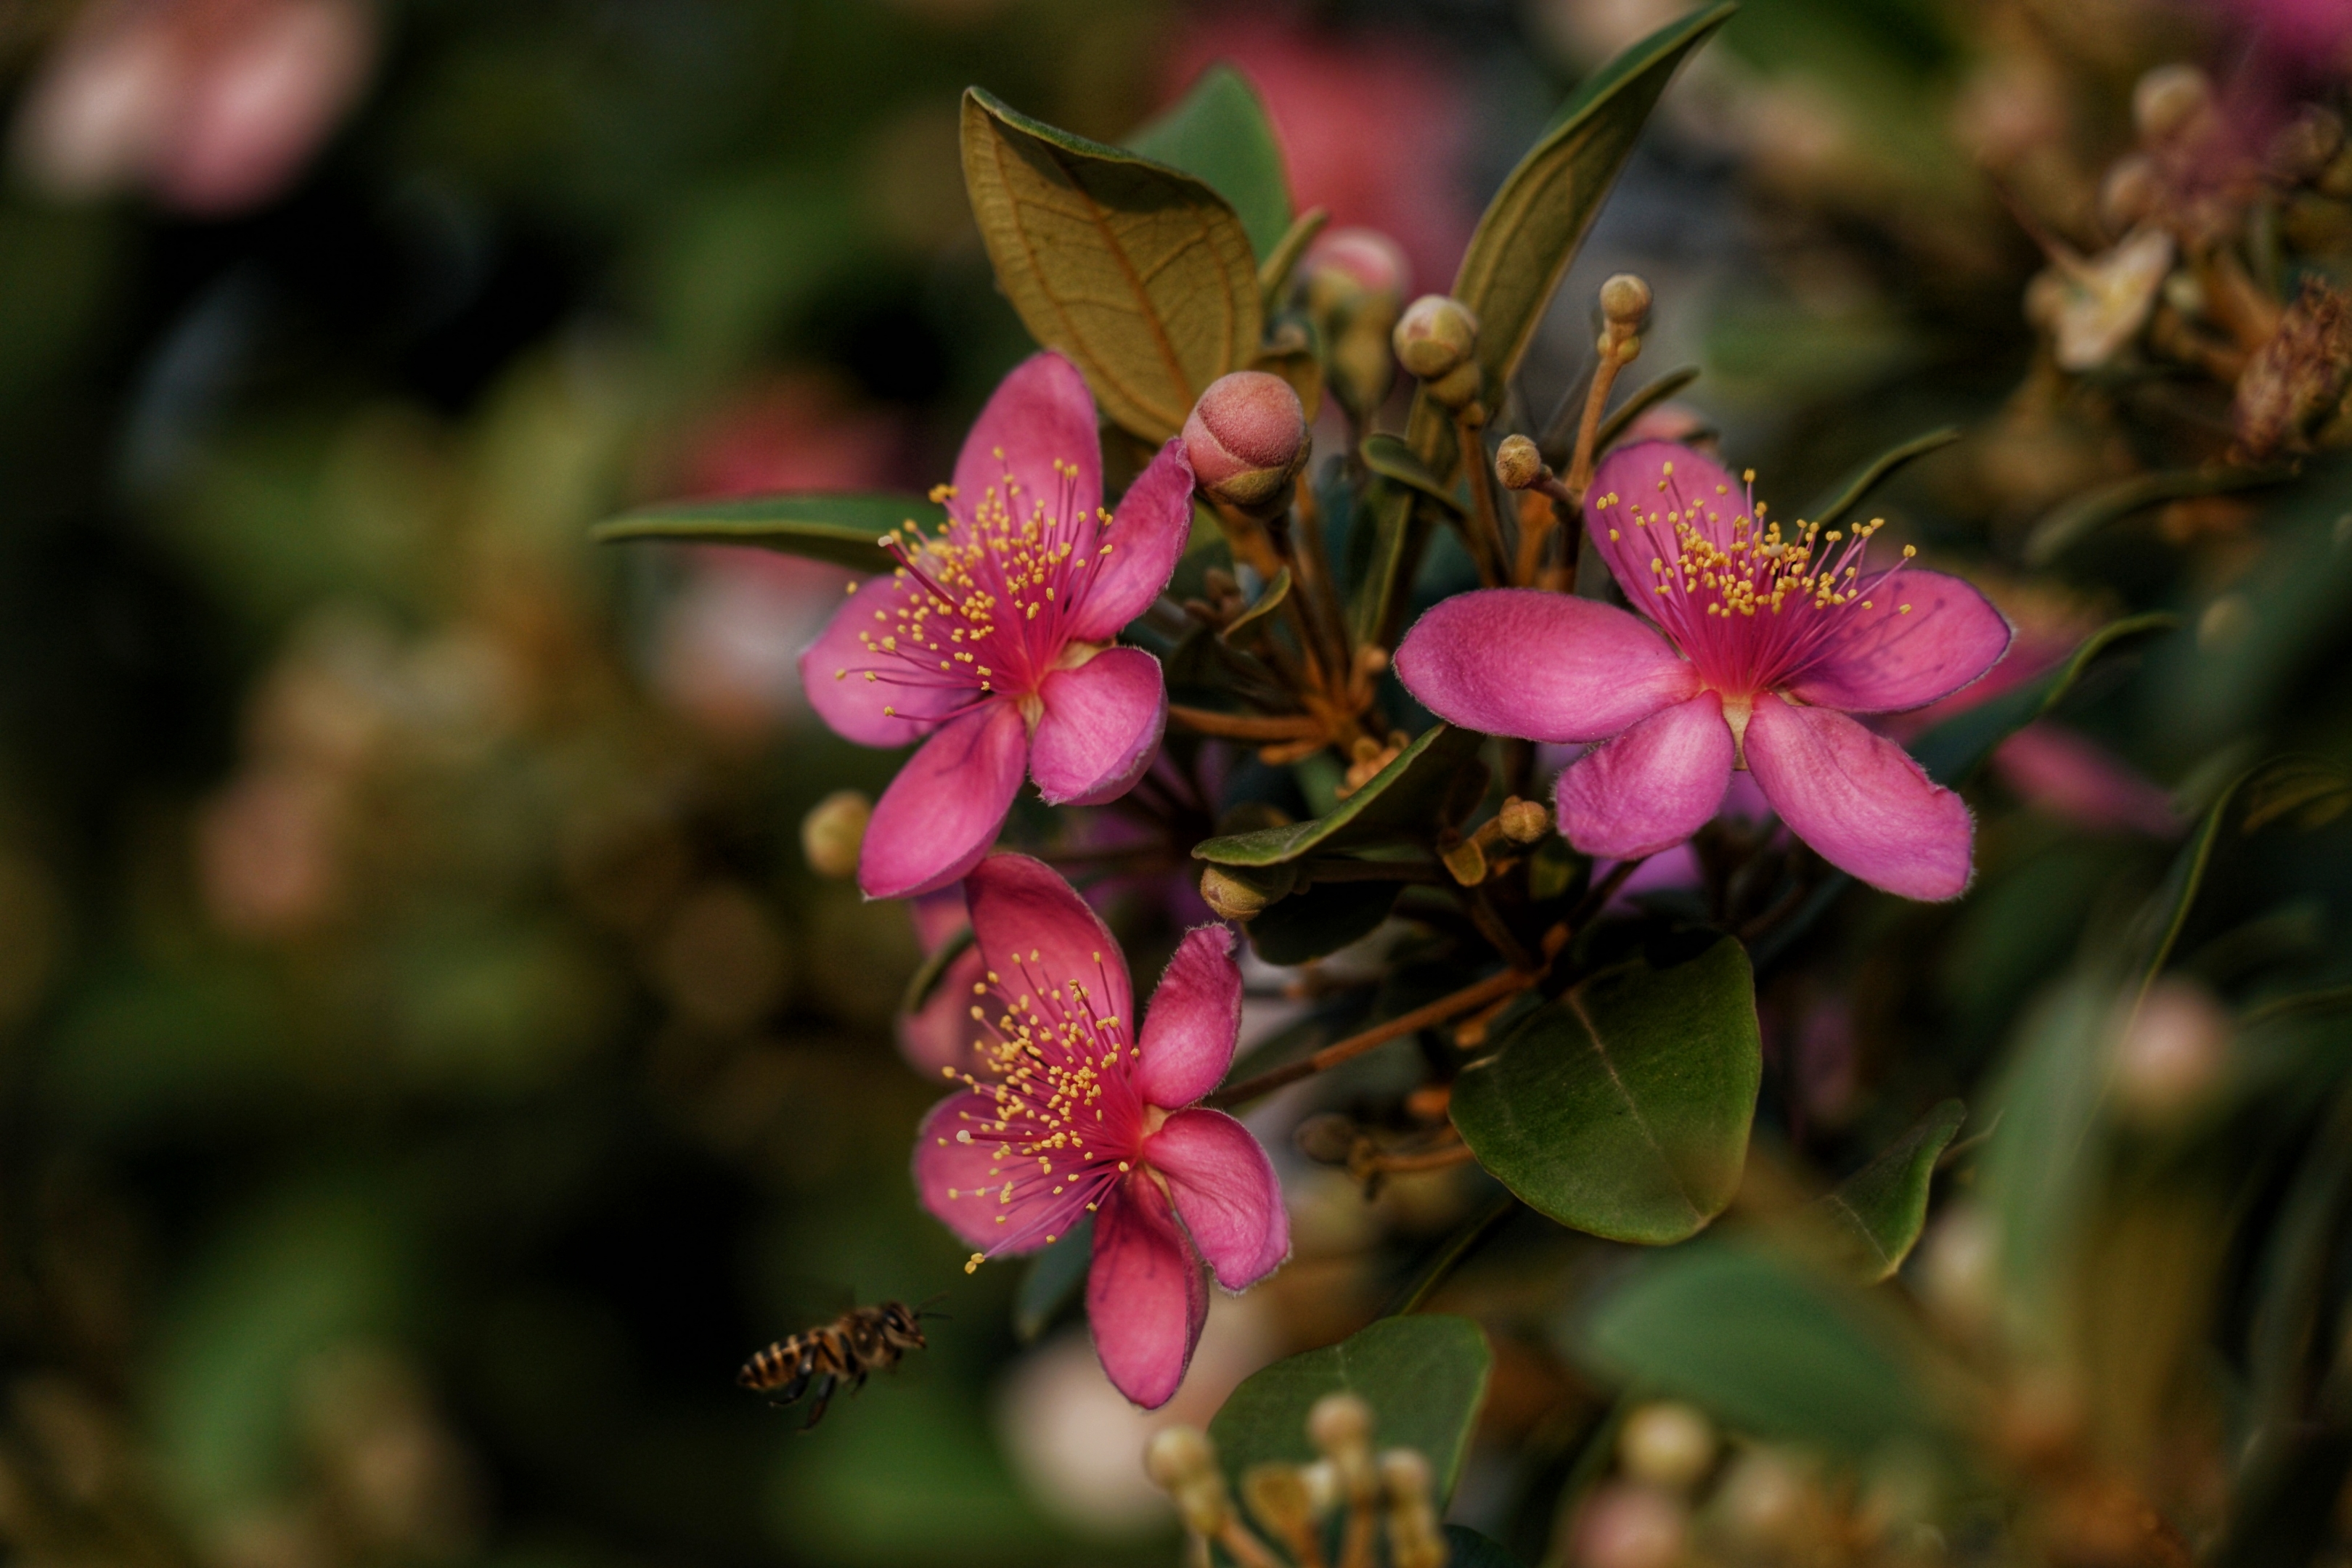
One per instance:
(845,530)
(1880,1210)
(1219,131)
(1425,1378)
(1140,273)
(1392,803)
(1622,1106)
(1533,227)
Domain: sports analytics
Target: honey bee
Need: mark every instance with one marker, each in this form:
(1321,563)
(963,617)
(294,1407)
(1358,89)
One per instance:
(862,1341)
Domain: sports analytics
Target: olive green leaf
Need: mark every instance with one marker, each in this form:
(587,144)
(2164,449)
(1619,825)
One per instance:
(1871,475)
(1140,273)
(1622,1106)
(845,530)
(1219,134)
(1391,805)
(1320,920)
(1533,227)
(2083,515)
(1424,1376)
(1393,459)
(1265,604)
(1641,403)
(1879,1211)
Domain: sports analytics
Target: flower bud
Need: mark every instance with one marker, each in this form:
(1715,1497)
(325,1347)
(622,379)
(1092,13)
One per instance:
(1340,1425)
(1234,893)
(1518,463)
(1435,337)
(1525,821)
(833,832)
(2173,1052)
(1623,1526)
(1247,438)
(2168,99)
(1625,301)
(1349,270)
(1667,1444)
(1178,1454)
(1413,1538)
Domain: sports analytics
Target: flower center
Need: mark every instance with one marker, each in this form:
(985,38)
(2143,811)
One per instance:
(1068,1122)
(1749,602)
(983,605)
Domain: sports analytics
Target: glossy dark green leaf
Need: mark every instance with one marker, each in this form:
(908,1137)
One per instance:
(1466,1548)
(845,530)
(1955,749)
(1871,475)
(2084,514)
(1533,227)
(1395,803)
(1622,1106)
(1320,920)
(1879,1211)
(1425,1378)
(1769,1350)
(1140,273)
(1051,1279)
(1219,131)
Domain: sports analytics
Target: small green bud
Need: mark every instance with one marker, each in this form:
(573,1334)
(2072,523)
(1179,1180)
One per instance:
(1436,336)
(833,831)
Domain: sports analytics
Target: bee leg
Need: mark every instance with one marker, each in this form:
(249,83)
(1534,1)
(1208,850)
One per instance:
(825,1385)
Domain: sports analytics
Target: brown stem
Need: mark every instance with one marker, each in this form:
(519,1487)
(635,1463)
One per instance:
(1470,997)
(1491,926)
(1486,529)
(1596,898)
(1588,430)
(1243,1547)
(1244,726)
(1432,1160)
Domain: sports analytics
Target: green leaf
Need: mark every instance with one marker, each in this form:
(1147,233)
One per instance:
(1767,1351)
(1880,1209)
(1622,1106)
(1274,272)
(1466,1548)
(933,970)
(1051,1278)
(1390,459)
(2303,792)
(2087,513)
(1425,1378)
(1320,920)
(1873,474)
(1140,273)
(1267,603)
(1220,133)
(1387,518)
(1533,227)
(1955,749)
(845,530)
(1395,804)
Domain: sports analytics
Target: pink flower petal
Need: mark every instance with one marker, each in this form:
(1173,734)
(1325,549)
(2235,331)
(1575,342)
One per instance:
(1539,665)
(942,813)
(1038,935)
(2073,776)
(1225,1189)
(834,669)
(957,1182)
(1040,415)
(1147,535)
(1145,1297)
(1884,658)
(1650,788)
(1194,1017)
(1860,800)
(1100,728)
(1699,487)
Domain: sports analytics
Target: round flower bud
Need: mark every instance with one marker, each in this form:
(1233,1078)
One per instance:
(1518,463)
(1339,1423)
(2171,1056)
(1435,336)
(1177,1455)
(1405,1473)
(2168,99)
(1667,1444)
(1235,895)
(1625,301)
(833,832)
(1246,437)
(1525,821)
(1348,268)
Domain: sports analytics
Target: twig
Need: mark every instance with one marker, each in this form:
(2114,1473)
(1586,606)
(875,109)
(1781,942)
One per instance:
(1502,983)
(1244,726)
(1486,543)
(1596,898)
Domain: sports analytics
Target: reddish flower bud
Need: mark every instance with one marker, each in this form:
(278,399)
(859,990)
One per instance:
(1346,268)
(1246,437)
(1436,336)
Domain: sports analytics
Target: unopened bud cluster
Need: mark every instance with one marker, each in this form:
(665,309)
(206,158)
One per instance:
(1354,284)
(1389,1497)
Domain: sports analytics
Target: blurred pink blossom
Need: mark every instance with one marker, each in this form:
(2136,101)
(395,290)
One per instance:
(1373,126)
(211,105)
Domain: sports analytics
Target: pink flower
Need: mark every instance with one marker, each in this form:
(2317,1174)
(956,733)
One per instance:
(1772,636)
(1073,1111)
(995,638)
